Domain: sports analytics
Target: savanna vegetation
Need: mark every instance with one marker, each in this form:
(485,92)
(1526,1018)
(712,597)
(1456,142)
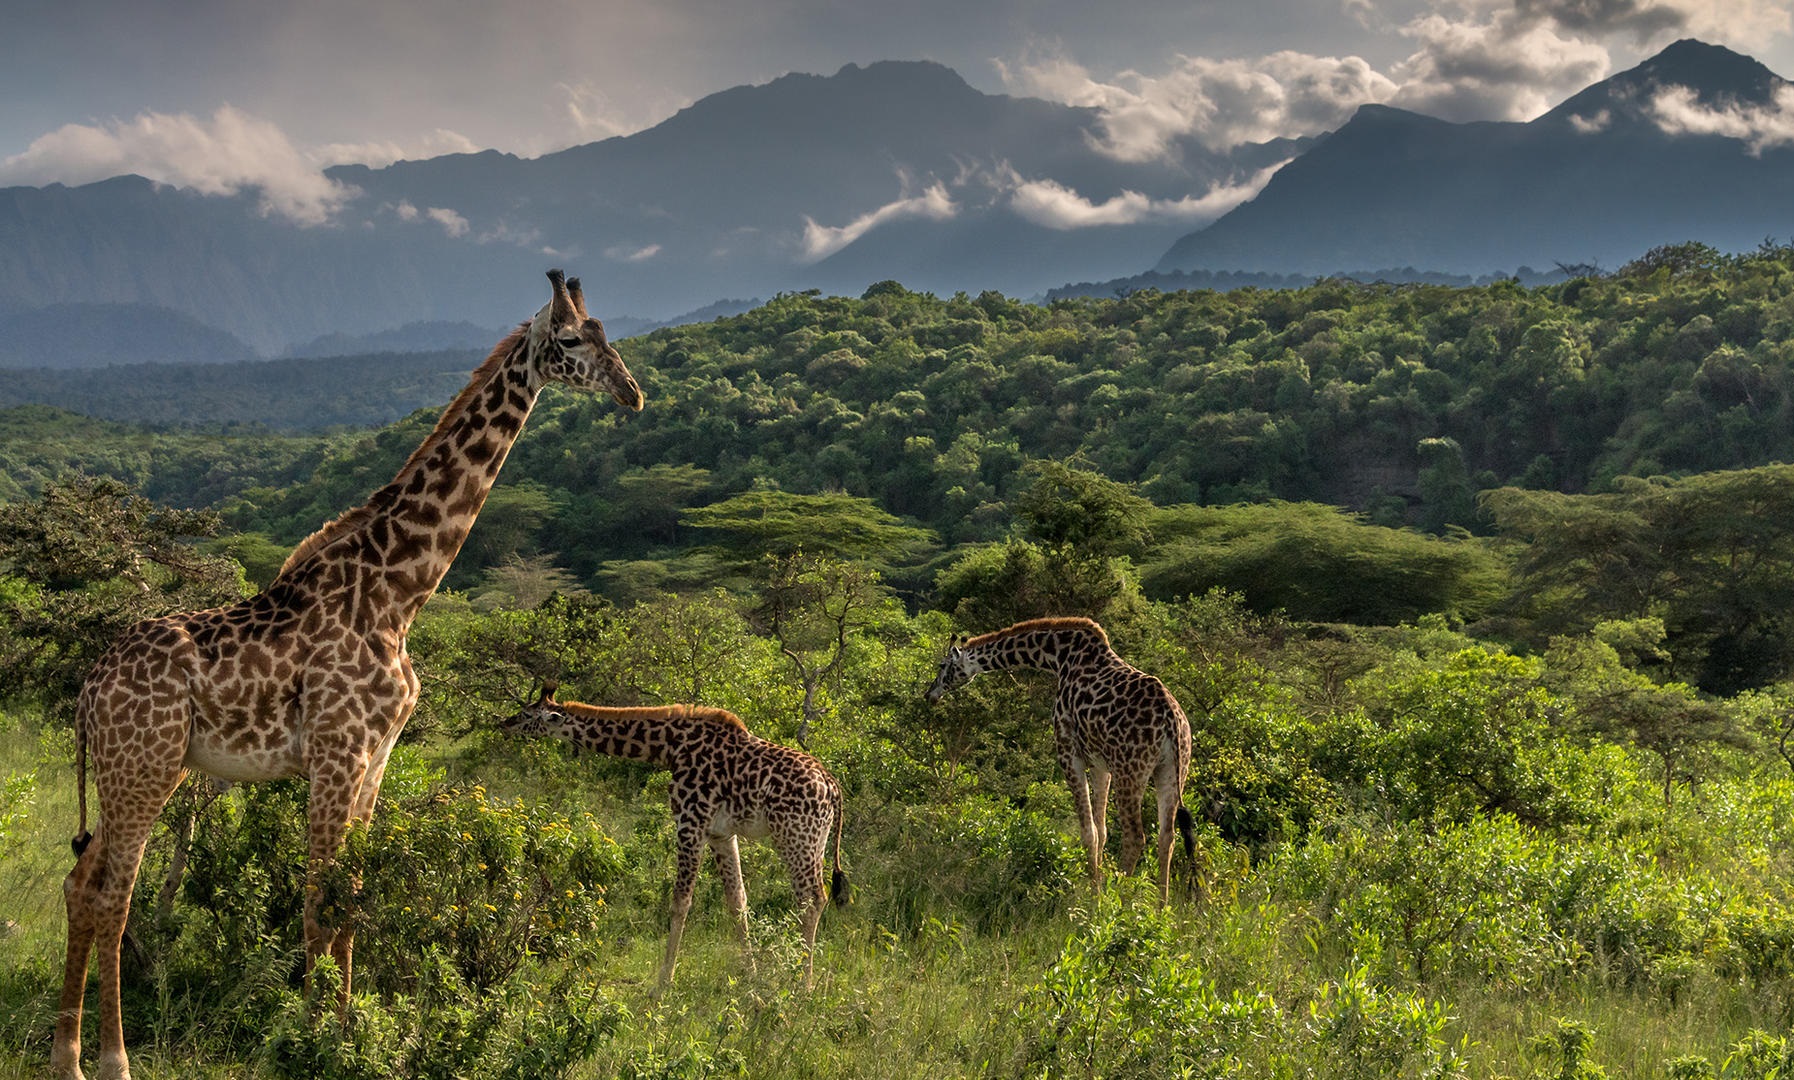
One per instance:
(1473,596)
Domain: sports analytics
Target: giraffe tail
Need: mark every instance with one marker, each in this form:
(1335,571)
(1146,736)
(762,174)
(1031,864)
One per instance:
(840,893)
(1187,827)
(82,838)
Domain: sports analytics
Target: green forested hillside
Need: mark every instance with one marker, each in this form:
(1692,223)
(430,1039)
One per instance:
(1397,401)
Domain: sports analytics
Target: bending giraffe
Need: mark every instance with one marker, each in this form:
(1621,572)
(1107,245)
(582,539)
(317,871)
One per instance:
(1111,722)
(308,678)
(726,783)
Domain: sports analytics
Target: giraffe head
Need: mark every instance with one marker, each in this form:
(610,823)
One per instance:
(543,716)
(572,348)
(957,667)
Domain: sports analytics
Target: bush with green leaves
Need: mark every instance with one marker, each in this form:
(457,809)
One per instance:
(480,924)
(1126,997)
(1475,734)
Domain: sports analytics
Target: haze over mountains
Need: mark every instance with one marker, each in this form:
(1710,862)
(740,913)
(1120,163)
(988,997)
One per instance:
(897,170)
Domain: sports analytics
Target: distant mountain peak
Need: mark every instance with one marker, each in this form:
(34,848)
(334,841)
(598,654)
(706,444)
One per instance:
(1718,77)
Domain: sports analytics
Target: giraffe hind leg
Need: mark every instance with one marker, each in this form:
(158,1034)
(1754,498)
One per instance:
(77,890)
(727,852)
(1133,830)
(685,883)
(804,857)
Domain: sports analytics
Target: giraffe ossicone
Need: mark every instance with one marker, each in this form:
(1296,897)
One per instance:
(726,783)
(308,678)
(1112,723)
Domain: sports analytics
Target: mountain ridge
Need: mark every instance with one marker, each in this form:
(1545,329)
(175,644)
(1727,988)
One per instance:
(1596,180)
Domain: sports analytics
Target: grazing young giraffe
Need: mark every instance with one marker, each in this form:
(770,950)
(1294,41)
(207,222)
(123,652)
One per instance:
(308,678)
(726,783)
(1110,721)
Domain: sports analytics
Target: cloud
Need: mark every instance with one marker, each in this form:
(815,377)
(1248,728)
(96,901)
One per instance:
(1677,111)
(1219,103)
(821,241)
(629,253)
(1052,204)
(228,154)
(1642,19)
(380,153)
(590,111)
(1514,66)
(1590,125)
(1467,60)
(452,223)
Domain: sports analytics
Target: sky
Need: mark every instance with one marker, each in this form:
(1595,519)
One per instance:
(219,95)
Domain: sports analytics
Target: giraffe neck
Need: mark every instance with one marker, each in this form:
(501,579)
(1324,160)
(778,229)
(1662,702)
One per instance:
(405,537)
(654,734)
(1061,646)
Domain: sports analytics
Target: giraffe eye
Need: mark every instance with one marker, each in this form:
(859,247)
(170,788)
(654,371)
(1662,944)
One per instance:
(571,342)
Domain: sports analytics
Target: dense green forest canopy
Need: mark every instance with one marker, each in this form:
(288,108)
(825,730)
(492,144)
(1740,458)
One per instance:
(1326,451)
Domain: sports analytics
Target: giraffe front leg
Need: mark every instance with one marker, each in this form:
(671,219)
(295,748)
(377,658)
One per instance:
(685,882)
(1133,829)
(123,841)
(727,852)
(335,782)
(1077,778)
(1099,803)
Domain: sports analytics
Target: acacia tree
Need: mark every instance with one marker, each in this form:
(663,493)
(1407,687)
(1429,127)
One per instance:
(812,606)
(1711,555)
(84,561)
(1075,528)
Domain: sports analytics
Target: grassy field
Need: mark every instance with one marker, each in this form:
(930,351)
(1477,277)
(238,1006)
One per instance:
(1263,974)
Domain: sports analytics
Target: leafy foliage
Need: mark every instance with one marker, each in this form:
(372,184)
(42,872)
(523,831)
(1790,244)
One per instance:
(79,565)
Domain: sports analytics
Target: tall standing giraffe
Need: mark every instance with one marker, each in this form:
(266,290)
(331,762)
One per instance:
(308,678)
(726,782)
(1110,721)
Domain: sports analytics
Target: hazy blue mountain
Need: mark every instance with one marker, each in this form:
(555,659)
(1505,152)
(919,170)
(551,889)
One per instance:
(90,335)
(734,196)
(413,337)
(1596,180)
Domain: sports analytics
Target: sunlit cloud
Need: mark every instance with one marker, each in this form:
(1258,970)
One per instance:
(628,253)
(452,223)
(1218,103)
(228,154)
(590,113)
(1592,125)
(1509,67)
(1052,204)
(380,153)
(1677,111)
(821,241)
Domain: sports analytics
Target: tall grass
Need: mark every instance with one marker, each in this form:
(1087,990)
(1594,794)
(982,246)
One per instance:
(974,948)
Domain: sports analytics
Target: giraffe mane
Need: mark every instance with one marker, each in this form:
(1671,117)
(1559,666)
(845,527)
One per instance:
(1073,622)
(355,517)
(699,714)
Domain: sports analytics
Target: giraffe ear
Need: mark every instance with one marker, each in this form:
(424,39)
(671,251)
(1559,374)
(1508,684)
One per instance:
(563,304)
